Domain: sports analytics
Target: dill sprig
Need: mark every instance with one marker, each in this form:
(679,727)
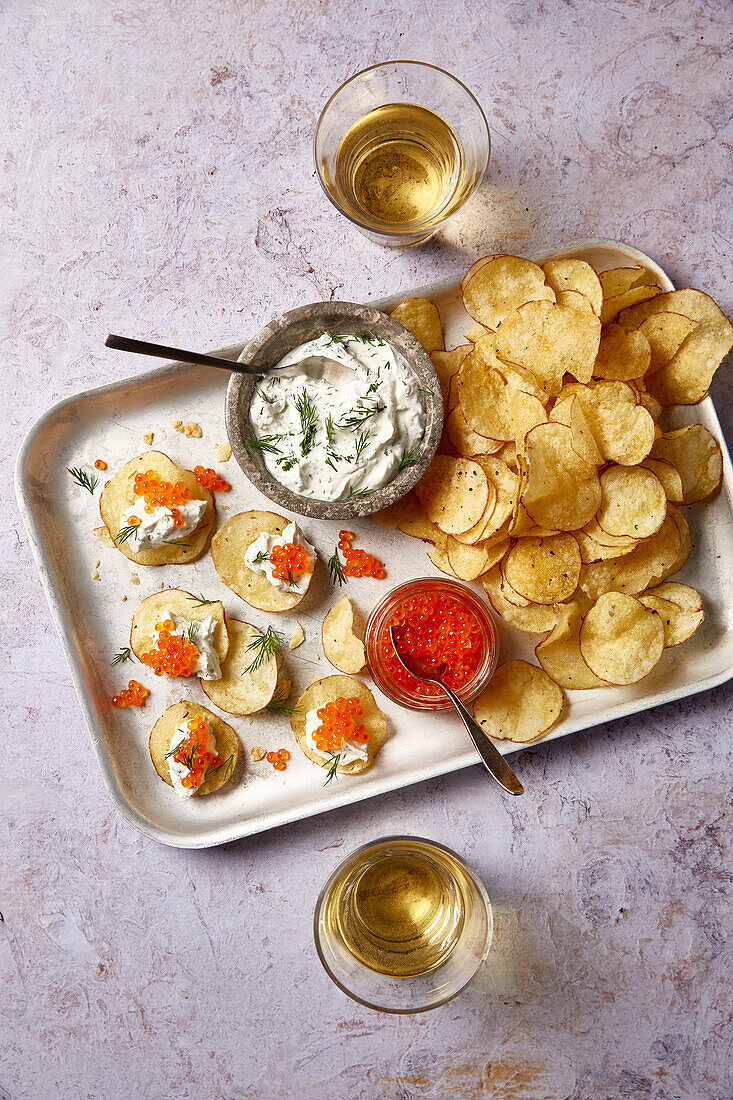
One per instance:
(260,556)
(279,705)
(125,533)
(122,655)
(358,417)
(409,458)
(359,492)
(176,542)
(336,569)
(263,647)
(362,442)
(173,751)
(199,601)
(332,766)
(330,429)
(308,421)
(426,391)
(228,766)
(82,478)
(266,445)
(191,633)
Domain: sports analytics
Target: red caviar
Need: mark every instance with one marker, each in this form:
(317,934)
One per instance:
(358,562)
(195,752)
(174,653)
(100,464)
(209,479)
(434,629)
(290,560)
(134,695)
(160,494)
(278,759)
(339,724)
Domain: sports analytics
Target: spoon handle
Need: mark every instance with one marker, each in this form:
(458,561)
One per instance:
(160,351)
(491,758)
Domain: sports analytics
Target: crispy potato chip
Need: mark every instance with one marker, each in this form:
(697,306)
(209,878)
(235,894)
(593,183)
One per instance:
(573,299)
(668,475)
(118,495)
(646,399)
(507,484)
(438,555)
(617,280)
(493,404)
(469,562)
(686,378)
(697,457)
(227,744)
(569,411)
(466,441)
(520,703)
(343,638)
(633,502)
(446,364)
(495,286)
(297,637)
(183,604)
(690,303)
(680,609)
(420,317)
(328,690)
(545,570)
(573,276)
(621,640)
(476,332)
(622,355)
(515,375)
(228,547)
(559,653)
(685,546)
(415,523)
(562,491)
(549,340)
(531,618)
(664,332)
(614,303)
(454,492)
(623,431)
(634,571)
(242,688)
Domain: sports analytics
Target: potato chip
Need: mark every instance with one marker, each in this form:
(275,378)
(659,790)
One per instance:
(562,491)
(624,287)
(342,636)
(520,703)
(664,332)
(646,399)
(573,299)
(532,618)
(228,547)
(176,602)
(227,745)
(464,439)
(495,286)
(690,303)
(668,569)
(243,688)
(633,572)
(420,317)
(559,653)
(621,355)
(468,562)
(621,640)
(697,457)
(569,411)
(549,340)
(516,376)
(686,378)
(543,570)
(680,609)
(446,365)
(623,431)
(328,690)
(668,475)
(454,493)
(575,276)
(633,502)
(492,405)
(415,523)
(476,332)
(438,555)
(507,484)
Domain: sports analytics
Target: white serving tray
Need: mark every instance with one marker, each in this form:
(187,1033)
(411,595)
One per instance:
(93,621)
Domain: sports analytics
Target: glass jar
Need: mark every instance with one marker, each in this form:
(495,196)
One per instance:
(377,634)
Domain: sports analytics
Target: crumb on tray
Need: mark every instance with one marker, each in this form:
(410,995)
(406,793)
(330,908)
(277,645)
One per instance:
(147,438)
(193,430)
(224,452)
(134,578)
(297,638)
(257,753)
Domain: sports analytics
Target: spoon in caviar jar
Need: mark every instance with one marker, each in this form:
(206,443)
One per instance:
(491,758)
(314,366)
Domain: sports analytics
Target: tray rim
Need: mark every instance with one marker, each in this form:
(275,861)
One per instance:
(235,830)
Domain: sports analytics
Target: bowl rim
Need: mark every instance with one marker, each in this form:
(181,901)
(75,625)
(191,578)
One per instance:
(327,314)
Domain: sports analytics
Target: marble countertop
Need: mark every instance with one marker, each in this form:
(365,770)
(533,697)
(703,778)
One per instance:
(158,181)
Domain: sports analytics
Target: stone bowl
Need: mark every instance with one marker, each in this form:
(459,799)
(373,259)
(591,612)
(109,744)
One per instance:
(290,330)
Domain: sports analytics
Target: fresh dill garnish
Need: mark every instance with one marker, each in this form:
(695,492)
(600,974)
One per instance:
(330,429)
(287,463)
(362,442)
(358,417)
(332,765)
(308,421)
(369,338)
(359,492)
(334,339)
(336,569)
(188,759)
(260,556)
(122,655)
(199,601)
(279,705)
(191,632)
(125,533)
(291,579)
(176,542)
(409,458)
(329,462)
(81,477)
(228,766)
(266,445)
(172,751)
(376,384)
(425,391)
(263,647)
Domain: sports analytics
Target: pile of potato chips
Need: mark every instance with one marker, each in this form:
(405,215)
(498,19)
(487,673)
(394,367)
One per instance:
(554,483)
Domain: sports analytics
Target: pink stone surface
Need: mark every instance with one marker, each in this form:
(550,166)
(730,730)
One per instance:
(158,181)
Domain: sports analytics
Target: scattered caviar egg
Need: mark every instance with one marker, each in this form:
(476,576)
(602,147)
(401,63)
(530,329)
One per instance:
(289,561)
(100,464)
(134,695)
(358,562)
(209,479)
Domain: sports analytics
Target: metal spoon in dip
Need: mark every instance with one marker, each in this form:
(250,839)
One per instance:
(315,366)
(491,758)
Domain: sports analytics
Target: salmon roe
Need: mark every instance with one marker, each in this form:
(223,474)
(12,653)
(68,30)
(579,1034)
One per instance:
(161,494)
(434,629)
(289,561)
(100,464)
(134,695)
(278,759)
(209,479)
(174,653)
(358,562)
(339,724)
(195,752)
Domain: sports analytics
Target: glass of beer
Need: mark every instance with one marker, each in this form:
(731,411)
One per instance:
(403,925)
(399,149)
